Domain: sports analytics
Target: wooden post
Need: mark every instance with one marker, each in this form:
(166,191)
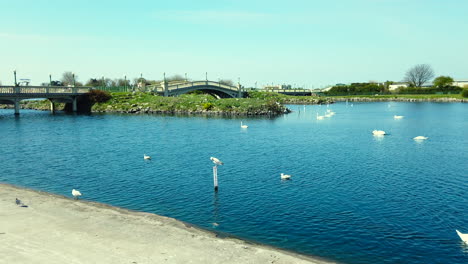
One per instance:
(215,178)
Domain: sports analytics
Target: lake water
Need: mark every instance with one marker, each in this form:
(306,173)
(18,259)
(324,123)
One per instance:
(353,197)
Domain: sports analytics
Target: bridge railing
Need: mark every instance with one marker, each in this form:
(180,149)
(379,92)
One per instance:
(185,85)
(201,83)
(43,90)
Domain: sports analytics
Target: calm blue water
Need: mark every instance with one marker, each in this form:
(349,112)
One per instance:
(353,198)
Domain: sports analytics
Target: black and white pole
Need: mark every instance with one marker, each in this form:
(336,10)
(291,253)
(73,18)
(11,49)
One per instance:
(215,171)
(215,177)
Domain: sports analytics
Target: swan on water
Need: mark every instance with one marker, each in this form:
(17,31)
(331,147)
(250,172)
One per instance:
(285,176)
(420,138)
(397,117)
(76,194)
(464,237)
(146,157)
(244,126)
(319,117)
(378,132)
(216,161)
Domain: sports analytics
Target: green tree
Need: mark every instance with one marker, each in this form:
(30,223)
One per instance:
(443,81)
(464,93)
(419,74)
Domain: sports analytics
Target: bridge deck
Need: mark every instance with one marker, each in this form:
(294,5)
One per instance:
(40,91)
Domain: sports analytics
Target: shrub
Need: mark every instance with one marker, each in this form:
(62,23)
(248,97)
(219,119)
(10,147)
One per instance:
(464,92)
(98,96)
(208,106)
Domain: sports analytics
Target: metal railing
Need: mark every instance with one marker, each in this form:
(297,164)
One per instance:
(43,90)
(173,87)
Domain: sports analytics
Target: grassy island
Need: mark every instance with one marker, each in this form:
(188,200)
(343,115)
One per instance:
(188,103)
(258,103)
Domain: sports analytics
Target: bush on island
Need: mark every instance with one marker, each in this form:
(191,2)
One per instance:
(464,92)
(208,106)
(98,96)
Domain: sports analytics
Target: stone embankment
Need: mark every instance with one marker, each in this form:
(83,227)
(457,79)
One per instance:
(136,109)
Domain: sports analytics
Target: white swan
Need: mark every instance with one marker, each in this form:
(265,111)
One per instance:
(319,117)
(378,132)
(146,157)
(76,194)
(464,237)
(420,138)
(216,161)
(244,126)
(285,176)
(397,117)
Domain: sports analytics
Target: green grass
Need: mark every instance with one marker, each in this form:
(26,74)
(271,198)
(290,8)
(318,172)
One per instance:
(289,99)
(146,102)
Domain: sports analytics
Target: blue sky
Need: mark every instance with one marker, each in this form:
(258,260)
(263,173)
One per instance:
(309,43)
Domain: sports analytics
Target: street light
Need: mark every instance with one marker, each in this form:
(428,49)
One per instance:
(14,72)
(73,79)
(50,79)
(206,76)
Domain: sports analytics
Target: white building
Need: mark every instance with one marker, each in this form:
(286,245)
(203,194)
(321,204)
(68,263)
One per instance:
(397,85)
(460,83)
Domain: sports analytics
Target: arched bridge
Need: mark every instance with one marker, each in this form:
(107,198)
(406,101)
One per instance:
(14,94)
(216,89)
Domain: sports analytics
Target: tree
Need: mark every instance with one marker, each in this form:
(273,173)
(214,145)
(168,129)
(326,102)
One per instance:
(94,82)
(226,82)
(122,82)
(419,74)
(69,78)
(443,81)
(176,77)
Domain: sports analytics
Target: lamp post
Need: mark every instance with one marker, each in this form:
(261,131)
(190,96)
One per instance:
(50,79)
(186,80)
(14,72)
(125,82)
(73,79)
(206,76)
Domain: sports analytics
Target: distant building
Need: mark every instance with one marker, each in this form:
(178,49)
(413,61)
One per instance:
(460,83)
(397,85)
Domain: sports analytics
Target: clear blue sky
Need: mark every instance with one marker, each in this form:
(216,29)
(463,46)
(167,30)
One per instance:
(304,42)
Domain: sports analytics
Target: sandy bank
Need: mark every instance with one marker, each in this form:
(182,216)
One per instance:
(55,229)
